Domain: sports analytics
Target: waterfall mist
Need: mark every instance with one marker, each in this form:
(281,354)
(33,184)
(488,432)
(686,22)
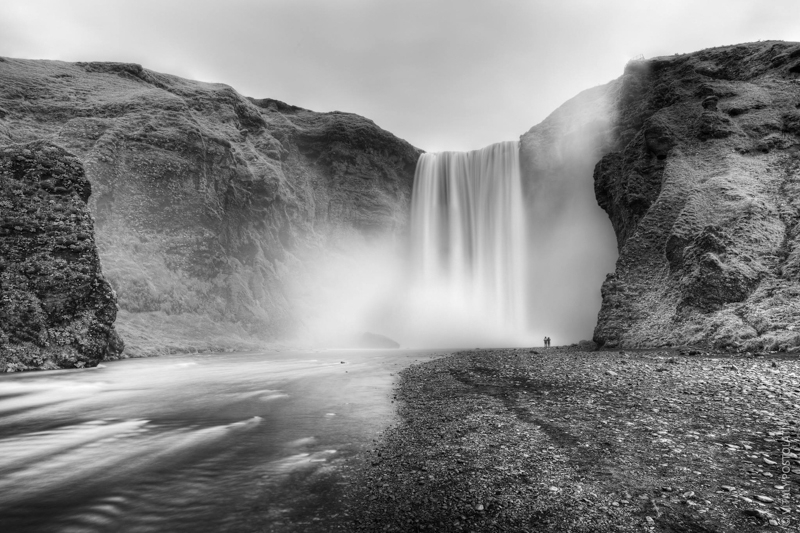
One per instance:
(571,243)
(351,286)
(508,244)
(505,245)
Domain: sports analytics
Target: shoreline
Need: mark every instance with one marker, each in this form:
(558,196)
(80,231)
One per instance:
(562,440)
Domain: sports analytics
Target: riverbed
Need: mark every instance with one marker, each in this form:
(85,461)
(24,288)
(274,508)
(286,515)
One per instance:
(209,442)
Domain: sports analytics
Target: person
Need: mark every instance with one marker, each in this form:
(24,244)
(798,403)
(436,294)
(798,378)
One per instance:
(547,342)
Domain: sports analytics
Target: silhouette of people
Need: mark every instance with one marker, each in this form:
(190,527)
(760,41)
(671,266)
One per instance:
(547,342)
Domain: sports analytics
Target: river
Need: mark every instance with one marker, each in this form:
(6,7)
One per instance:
(218,442)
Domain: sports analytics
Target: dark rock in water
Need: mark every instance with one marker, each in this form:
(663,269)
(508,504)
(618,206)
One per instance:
(210,207)
(706,206)
(374,340)
(56,308)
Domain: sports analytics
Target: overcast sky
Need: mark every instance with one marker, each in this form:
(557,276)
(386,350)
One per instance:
(444,75)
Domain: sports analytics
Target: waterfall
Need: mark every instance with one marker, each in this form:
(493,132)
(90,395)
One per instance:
(469,247)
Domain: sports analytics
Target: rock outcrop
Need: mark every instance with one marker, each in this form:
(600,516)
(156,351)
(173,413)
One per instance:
(702,186)
(56,308)
(209,206)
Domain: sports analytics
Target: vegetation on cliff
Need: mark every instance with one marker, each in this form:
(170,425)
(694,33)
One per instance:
(702,186)
(56,309)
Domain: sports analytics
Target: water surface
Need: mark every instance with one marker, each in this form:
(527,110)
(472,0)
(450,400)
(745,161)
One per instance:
(221,442)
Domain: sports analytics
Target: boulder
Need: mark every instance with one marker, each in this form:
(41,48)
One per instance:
(56,308)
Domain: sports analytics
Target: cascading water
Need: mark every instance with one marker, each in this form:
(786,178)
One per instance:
(469,248)
(507,245)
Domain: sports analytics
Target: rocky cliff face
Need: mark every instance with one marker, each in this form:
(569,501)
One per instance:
(209,206)
(702,186)
(56,309)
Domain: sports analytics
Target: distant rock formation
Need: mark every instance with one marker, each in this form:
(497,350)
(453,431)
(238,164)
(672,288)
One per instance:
(702,186)
(56,309)
(376,340)
(209,206)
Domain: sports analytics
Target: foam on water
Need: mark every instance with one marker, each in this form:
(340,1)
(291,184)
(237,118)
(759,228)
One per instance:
(46,461)
(162,445)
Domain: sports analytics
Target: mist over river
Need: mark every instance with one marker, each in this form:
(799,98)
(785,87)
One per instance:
(221,442)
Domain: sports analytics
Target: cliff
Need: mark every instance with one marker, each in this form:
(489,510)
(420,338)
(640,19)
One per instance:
(210,208)
(56,309)
(702,186)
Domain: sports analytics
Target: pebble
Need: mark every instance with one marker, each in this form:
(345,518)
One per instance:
(757,513)
(765,499)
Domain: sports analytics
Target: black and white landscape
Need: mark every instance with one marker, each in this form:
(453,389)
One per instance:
(382,266)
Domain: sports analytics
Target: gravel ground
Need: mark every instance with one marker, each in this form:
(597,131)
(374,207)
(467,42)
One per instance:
(560,440)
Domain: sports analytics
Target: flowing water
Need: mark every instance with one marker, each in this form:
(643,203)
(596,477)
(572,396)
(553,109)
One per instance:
(469,247)
(223,442)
